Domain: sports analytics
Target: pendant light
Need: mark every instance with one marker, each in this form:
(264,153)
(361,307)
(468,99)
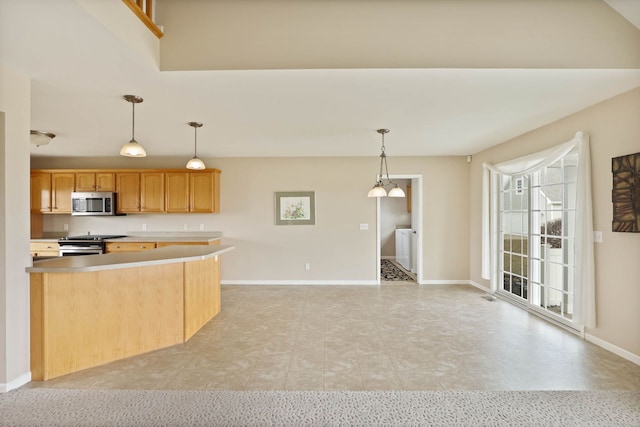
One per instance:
(378,189)
(195,163)
(132,148)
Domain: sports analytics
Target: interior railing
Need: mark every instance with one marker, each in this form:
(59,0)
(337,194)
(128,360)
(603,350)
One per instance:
(143,9)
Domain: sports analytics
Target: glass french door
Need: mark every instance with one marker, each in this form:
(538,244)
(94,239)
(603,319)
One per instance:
(537,237)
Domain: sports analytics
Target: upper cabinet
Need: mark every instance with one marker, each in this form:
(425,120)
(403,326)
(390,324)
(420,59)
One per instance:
(138,191)
(128,189)
(151,192)
(197,192)
(40,192)
(51,192)
(95,181)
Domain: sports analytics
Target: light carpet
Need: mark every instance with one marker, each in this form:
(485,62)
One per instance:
(54,407)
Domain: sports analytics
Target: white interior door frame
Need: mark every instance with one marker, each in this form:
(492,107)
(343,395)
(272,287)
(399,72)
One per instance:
(415,192)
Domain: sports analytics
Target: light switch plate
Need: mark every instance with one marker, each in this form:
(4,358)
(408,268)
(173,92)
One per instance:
(597,236)
(364,226)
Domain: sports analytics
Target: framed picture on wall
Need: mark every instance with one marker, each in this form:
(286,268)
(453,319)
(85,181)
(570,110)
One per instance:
(295,208)
(626,193)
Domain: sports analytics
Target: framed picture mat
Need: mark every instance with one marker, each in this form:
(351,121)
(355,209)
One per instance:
(295,208)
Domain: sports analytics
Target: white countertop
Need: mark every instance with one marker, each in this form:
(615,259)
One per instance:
(158,238)
(149,236)
(166,255)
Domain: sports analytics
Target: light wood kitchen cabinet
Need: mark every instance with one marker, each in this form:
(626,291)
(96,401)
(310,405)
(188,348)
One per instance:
(196,192)
(51,192)
(111,247)
(139,191)
(163,244)
(44,248)
(128,189)
(151,192)
(95,181)
(62,185)
(204,192)
(40,192)
(177,192)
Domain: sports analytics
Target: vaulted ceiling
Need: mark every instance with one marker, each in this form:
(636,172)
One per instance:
(317,77)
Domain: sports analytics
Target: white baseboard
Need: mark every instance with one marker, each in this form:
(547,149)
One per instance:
(478,285)
(444,282)
(631,357)
(18,382)
(299,282)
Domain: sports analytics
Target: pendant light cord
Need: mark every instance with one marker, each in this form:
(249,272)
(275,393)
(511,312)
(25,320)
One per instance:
(195,142)
(133,121)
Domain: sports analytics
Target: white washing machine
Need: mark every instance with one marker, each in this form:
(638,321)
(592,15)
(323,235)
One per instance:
(403,247)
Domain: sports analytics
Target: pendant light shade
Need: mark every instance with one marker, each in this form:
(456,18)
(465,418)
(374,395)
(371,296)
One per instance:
(39,137)
(132,148)
(195,163)
(396,192)
(378,189)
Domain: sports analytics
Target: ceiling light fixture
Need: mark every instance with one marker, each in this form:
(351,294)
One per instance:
(378,189)
(39,137)
(195,163)
(132,148)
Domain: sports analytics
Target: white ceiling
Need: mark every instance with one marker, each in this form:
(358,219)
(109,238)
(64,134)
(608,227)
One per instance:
(80,71)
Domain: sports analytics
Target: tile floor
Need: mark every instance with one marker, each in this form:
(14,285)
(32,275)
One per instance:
(399,336)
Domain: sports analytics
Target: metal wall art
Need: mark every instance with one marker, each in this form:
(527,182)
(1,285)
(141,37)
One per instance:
(626,193)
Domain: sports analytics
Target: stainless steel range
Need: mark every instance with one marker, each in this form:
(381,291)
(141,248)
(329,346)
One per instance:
(90,244)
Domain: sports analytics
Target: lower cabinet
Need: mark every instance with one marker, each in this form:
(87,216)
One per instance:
(129,246)
(44,248)
(112,247)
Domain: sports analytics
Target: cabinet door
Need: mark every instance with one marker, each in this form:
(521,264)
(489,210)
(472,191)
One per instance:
(152,192)
(177,191)
(111,247)
(105,181)
(62,185)
(40,192)
(85,181)
(44,248)
(99,181)
(128,188)
(202,192)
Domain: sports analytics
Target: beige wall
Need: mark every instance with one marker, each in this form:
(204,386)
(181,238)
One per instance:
(15,90)
(614,129)
(254,34)
(336,248)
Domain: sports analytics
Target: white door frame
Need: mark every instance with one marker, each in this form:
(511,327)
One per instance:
(415,192)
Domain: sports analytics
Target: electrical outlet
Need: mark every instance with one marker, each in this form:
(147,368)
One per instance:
(185,227)
(364,226)
(201,227)
(307,266)
(65,227)
(144,227)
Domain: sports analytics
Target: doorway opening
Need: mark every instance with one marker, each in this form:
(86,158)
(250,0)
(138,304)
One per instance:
(399,233)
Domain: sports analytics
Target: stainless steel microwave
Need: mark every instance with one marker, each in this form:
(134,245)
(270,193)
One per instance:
(97,203)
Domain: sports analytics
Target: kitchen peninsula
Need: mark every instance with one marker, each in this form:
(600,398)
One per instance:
(90,310)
